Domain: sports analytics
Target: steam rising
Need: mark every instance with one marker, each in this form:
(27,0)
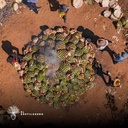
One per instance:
(52,60)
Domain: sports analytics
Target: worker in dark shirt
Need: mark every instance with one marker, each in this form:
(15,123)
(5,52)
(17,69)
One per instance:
(32,5)
(63,9)
(120,57)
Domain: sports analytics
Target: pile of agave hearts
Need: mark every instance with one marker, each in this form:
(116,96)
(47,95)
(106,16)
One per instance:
(57,67)
(114,12)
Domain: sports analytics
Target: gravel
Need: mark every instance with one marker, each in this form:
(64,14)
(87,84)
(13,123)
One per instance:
(6,12)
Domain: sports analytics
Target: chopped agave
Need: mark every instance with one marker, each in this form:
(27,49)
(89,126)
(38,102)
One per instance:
(15,6)
(118,13)
(105,3)
(63,82)
(107,13)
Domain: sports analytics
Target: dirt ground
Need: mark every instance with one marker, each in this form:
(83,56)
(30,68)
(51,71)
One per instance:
(90,111)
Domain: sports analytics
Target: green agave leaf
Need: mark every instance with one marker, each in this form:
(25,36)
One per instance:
(60,36)
(80,45)
(64,89)
(50,94)
(44,37)
(87,73)
(64,103)
(44,88)
(66,40)
(31,74)
(34,48)
(50,42)
(78,52)
(85,50)
(52,36)
(90,2)
(31,67)
(126,26)
(31,86)
(27,79)
(70,46)
(26,68)
(36,71)
(124,20)
(60,45)
(65,66)
(40,66)
(42,99)
(56,99)
(40,58)
(72,97)
(78,35)
(28,57)
(35,93)
(74,40)
(62,54)
(57,105)
(119,25)
(63,83)
(51,89)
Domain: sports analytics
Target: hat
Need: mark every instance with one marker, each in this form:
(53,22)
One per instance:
(101,42)
(116,82)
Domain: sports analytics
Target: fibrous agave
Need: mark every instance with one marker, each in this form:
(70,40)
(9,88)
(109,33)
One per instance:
(58,71)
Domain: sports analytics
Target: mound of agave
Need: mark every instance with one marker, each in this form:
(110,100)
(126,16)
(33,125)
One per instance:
(122,23)
(58,67)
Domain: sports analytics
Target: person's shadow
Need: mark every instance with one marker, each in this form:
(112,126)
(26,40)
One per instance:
(99,71)
(8,47)
(54,5)
(31,6)
(42,28)
(86,33)
(111,53)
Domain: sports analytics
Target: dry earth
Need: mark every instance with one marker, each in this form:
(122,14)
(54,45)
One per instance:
(90,111)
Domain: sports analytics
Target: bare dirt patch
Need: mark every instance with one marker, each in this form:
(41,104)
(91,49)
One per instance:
(90,110)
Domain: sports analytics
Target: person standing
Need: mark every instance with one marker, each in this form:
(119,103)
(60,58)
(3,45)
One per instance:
(32,5)
(63,9)
(102,43)
(120,57)
(15,59)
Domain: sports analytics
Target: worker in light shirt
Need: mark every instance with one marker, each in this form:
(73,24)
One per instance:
(102,43)
(120,57)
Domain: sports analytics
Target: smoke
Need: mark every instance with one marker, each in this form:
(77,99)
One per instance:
(52,61)
(50,54)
